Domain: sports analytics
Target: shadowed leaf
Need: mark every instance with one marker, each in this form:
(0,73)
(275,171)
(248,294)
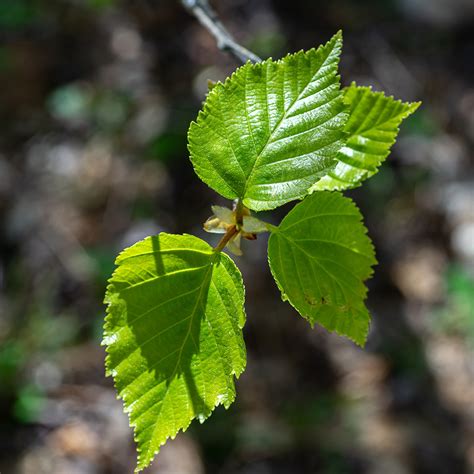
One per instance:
(320,256)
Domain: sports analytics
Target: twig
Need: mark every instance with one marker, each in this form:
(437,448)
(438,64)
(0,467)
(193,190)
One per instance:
(225,42)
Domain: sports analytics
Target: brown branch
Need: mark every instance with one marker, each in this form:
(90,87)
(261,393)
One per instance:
(225,42)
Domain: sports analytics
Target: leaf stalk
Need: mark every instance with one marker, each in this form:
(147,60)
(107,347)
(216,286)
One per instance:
(231,232)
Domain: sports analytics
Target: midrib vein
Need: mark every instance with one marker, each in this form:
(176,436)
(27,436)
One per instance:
(283,117)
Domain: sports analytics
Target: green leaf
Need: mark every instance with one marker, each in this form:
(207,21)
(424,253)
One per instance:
(320,256)
(173,333)
(272,129)
(373,126)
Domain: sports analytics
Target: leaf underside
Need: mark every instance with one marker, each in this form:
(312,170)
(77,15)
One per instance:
(372,128)
(320,256)
(272,129)
(173,333)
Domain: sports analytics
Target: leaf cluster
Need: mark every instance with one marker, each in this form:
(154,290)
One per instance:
(273,132)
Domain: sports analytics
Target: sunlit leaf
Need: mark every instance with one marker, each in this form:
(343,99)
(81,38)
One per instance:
(272,129)
(173,334)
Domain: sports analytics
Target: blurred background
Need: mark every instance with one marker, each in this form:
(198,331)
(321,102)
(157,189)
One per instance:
(95,100)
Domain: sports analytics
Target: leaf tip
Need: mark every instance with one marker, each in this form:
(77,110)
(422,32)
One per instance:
(336,41)
(413,106)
